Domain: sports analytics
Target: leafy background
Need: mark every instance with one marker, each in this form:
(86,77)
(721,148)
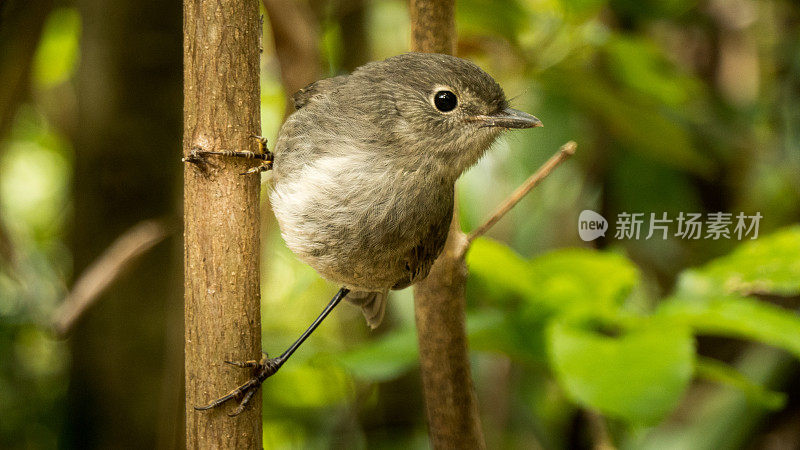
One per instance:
(679,106)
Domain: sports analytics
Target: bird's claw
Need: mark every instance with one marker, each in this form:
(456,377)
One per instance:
(262,143)
(261,371)
(267,156)
(197,156)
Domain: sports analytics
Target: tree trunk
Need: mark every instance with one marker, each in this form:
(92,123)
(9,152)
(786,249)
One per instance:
(439,300)
(221,214)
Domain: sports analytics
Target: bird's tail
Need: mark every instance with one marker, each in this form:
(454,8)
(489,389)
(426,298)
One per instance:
(373,305)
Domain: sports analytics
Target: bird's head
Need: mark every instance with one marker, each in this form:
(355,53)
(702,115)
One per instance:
(446,111)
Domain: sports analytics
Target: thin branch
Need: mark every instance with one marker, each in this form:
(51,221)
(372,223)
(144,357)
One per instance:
(102,273)
(566,151)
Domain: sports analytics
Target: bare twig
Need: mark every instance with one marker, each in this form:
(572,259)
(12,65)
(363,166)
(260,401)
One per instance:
(563,154)
(123,252)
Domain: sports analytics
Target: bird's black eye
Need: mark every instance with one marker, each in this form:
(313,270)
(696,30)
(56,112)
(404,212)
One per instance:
(445,101)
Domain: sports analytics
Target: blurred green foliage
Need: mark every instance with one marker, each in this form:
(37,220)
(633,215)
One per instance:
(638,376)
(35,173)
(57,55)
(608,357)
(676,106)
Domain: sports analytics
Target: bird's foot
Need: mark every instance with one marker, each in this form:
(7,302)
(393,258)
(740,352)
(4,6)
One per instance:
(262,144)
(261,371)
(263,154)
(198,156)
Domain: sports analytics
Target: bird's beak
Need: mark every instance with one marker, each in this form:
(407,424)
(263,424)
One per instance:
(509,118)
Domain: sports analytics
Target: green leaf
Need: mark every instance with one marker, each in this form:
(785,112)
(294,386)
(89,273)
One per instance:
(708,299)
(384,359)
(638,376)
(503,272)
(722,373)
(576,280)
(768,265)
(582,280)
(736,317)
(643,67)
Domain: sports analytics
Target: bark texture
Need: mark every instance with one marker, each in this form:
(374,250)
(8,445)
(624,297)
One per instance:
(221,215)
(439,300)
(433,26)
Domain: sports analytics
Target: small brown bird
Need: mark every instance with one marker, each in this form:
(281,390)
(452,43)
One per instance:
(364,175)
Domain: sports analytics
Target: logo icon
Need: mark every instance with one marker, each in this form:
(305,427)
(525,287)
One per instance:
(591,225)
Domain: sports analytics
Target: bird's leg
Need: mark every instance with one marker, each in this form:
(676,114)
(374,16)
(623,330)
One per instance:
(268,366)
(197,155)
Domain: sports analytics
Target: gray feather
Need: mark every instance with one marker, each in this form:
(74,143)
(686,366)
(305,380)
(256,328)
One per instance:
(315,89)
(364,170)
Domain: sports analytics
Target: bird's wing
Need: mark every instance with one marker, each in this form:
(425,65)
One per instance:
(420,258)
(319,87)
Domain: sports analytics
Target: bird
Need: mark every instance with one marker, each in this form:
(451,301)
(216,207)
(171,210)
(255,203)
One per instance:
(364,173)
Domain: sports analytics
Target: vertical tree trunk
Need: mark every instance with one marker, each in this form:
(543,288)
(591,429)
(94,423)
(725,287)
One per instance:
(221,248)
(125,171)
(439,300)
